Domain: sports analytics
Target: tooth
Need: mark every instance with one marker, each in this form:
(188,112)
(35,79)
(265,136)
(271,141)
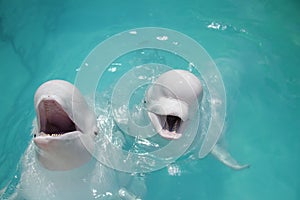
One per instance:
(167,125)
(43,134)
(175,126)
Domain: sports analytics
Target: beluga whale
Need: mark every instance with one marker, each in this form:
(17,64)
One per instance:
(60,162)
(66,126)
(172,102)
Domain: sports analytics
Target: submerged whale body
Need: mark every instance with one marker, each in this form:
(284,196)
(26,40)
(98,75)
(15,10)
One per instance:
(172,102)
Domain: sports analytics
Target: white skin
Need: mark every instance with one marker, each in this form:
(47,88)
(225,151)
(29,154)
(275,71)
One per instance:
(66,126)
(171,103)
(63,143)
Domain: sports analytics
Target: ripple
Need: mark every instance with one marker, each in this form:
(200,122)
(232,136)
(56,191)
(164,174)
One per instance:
(225,27)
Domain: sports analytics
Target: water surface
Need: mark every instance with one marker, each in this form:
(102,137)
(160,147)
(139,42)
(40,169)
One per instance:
(256,46)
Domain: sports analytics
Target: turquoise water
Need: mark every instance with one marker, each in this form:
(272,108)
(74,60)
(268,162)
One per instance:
(256,46)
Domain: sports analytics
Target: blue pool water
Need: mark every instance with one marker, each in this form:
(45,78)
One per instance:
(255,44)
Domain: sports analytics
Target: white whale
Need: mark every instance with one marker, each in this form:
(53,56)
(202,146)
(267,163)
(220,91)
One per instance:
(66,126)
(57,164)
(171,104)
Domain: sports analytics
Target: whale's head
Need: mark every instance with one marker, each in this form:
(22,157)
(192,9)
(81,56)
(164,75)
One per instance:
(66,126)
(171,102)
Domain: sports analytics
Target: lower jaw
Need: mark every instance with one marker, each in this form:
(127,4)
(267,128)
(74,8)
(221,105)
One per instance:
(53,135)
(170,135)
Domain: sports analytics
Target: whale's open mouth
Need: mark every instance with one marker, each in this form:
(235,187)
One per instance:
(53,120)
(170,123)
(168,126)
